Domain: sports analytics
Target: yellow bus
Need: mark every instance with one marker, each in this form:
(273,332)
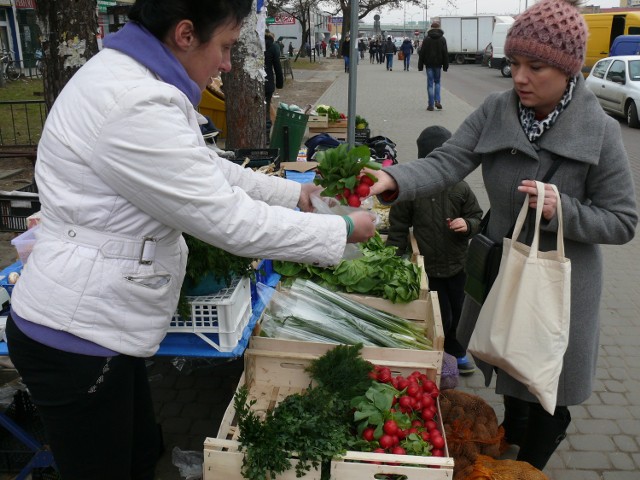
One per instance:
(603,29)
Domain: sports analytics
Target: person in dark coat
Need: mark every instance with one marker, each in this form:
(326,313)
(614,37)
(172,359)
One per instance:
(361,47)
(442,225)
(390,50)
(373,51)
(273,68)
(345,52)
(407,49)
(434,57)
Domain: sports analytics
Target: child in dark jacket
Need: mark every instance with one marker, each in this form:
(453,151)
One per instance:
(442,225)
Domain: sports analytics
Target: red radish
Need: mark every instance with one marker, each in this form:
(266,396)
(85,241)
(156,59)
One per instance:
(366,179)
(398,451)
(354,200)
(346,193)
(405,401)
(425,435)
(384,374)
(437,452)
(367,434)
(363,190)
(414,390)
(437,442)
(402,383)
(416,423)
(379,450)
(430,425)
(390,427)
(386,441)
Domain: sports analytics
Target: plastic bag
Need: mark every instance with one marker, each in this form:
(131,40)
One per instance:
(189,463)
(331,206)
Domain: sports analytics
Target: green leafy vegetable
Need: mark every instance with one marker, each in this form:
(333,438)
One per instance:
(205,259)
(378,273)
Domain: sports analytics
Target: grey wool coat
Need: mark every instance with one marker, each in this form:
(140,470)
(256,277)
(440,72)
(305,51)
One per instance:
(598,200)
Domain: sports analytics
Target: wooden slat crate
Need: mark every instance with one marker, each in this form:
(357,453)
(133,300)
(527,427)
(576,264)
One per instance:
(272,375)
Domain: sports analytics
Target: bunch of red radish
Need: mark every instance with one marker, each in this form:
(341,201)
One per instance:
(360,190)
(416,401)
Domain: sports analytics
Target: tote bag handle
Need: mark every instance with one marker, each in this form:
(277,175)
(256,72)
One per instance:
(533,252)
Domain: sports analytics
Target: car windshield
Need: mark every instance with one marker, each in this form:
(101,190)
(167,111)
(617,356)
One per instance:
(634,70)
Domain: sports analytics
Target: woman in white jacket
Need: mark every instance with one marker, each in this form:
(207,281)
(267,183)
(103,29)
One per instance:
(122,171)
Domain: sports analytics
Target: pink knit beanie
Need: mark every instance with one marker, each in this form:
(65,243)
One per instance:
(552,31)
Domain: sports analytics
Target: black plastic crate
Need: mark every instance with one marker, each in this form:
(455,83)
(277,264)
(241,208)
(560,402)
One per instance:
(15,208)
(258,157)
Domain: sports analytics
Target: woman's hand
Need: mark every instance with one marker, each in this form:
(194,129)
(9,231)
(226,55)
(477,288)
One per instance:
(550,199)
(385,183)
(308,189)
(364,226)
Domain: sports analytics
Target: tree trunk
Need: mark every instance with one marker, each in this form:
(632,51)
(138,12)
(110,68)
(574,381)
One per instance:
(69,30)
(244,90)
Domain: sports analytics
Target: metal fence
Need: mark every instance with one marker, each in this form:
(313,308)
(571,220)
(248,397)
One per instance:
(21,122)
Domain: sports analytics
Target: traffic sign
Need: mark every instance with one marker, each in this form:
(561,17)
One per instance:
(270,20)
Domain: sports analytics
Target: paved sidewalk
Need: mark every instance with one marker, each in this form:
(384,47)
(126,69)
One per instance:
(604,437)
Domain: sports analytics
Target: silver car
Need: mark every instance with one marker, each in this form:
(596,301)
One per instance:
(616,83)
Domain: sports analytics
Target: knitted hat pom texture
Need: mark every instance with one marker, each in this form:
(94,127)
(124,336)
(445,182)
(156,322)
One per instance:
(552,31)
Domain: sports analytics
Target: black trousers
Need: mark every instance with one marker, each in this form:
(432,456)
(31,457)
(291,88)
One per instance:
(537,432)
(450,297)
(97,411)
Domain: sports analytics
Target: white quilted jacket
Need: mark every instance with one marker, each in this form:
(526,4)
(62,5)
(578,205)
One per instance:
(122,160)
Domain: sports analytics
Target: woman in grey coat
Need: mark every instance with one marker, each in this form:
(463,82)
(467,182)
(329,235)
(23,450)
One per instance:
(515,136)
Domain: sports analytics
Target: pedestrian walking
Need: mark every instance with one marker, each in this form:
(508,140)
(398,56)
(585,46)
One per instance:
(362,47)
(407,49)
(118,186)
(434,58)
(373,51)
(274,78)
(516,137)
(390,50)
(346,52)
(442,225)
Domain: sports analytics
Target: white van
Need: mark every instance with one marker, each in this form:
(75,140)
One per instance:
(498,59)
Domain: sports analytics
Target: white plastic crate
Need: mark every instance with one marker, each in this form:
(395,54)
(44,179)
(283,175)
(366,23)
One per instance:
(222,315)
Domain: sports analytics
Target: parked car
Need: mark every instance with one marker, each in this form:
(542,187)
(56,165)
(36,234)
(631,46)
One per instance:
(616,83)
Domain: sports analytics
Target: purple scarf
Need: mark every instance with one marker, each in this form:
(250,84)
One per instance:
(137,42)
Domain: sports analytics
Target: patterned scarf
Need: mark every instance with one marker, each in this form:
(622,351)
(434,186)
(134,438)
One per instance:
(533,128)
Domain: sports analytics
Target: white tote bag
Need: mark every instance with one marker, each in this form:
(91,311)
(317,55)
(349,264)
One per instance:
(523,326)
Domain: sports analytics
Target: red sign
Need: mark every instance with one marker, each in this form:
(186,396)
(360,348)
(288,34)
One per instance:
(417,32)
(31,4)
(284,19)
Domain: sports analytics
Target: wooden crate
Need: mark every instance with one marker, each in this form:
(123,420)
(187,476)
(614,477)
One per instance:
(273,374)
(318,121)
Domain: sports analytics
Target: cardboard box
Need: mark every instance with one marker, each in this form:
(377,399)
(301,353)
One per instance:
(272,375)
(298,166)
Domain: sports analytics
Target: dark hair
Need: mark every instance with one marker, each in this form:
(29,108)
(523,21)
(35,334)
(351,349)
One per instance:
(158,16)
